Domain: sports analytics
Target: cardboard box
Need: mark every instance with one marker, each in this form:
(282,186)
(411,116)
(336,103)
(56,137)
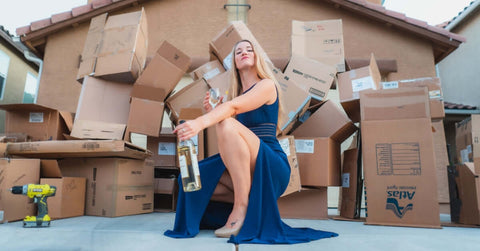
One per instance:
(468,187)
(467,140)
(312,76)
(102,111)
(164,70)
(145,116)
(320,40)
(309,203)
(441,161)
(69,199)
(115,186)
(392,104)
(222,82)
(190,96)
(116,47)
(222,45)
(36,121)
(211,141)
(437,110)
(166,189)
(293,99)
(164,150)
(319,161)
(77,148)
(338,126)
(351,83)
(207,70)
(352,184)
(17,172)
(288,145)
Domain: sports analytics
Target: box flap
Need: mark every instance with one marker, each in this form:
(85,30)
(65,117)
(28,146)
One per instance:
(148,92)
(25,107)
(175,56)
(68,119)
(49,169)
(190,113)
(394,104)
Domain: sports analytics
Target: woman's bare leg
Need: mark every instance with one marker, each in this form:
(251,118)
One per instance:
(238,147)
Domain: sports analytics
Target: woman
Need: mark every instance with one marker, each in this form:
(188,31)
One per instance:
(251,165)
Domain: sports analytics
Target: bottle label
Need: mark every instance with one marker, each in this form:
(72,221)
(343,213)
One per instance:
(196,172)
(183,166)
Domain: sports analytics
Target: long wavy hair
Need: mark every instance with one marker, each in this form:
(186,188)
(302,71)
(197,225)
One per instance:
(263,71)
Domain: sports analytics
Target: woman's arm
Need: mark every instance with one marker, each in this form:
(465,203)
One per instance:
(264,92)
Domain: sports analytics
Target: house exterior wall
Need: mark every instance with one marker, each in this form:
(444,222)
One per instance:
(459,71)
(16,77)
(200,21)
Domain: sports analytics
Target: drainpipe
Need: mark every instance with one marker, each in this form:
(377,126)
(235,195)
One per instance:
(34,59)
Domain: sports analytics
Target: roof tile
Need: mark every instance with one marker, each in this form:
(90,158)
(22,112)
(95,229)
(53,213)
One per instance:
(417,22)
(77,11)
(37,25)
(61,16)
(100,3)
(395,14)
(23,30)
(361,2)
(376,7)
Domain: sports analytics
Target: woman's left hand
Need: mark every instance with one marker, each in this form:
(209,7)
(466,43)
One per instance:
(187,130)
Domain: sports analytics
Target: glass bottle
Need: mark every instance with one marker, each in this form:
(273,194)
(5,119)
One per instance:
(187,158)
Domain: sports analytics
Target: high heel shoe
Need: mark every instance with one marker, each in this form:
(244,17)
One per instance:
(225,232)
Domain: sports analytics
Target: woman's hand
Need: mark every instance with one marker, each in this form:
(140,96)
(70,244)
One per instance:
(188,129)
(206,102)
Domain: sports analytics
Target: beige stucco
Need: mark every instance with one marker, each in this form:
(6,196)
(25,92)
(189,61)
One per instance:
(459,71)
(200,21)
(16,77)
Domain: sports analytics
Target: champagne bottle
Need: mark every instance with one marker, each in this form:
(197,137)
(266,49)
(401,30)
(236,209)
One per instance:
(187,158)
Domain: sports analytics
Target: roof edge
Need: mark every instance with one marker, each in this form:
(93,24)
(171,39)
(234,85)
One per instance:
(463,15)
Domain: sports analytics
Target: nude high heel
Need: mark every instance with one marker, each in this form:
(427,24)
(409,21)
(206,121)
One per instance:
(225,232)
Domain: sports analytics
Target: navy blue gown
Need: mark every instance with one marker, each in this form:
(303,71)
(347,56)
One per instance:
(262,222)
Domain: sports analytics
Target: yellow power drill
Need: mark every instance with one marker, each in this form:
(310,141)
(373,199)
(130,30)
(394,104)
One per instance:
(39,193)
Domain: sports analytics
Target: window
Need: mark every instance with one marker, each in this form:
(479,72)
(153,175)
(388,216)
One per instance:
(4,62)
(237,10)
(31,88)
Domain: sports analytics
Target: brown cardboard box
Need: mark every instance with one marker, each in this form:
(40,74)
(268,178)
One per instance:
(320,40)
(437,110)
(288,145)
(102,111)
(351,83)
(77,148)
(293,99)
(319,161)
(17,172)
(69,199)
(399,159)
(145,116)
(207,70)
(164,149)
(441,161)
(351,194)
(312,76)
(326,120)
(309,203)
(36,121)
(115,186)
(467,135)
(164,70)
(116,47)
(166,189)
(468,187)
(211,141)
(190,96)
(222,45)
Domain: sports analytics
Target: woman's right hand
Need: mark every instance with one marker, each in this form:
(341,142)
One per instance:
(206,102)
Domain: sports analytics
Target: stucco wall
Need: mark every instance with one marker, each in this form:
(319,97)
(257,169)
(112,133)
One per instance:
(200,21)
(15,84)
(459,71)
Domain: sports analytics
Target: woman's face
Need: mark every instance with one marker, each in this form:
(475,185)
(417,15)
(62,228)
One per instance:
(244,55)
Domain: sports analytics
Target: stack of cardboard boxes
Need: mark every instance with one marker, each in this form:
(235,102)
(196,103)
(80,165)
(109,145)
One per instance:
(126,94)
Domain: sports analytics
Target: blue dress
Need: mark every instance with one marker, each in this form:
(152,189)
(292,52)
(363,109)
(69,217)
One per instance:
(262,222)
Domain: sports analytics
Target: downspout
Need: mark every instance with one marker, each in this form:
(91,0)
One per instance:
(34,59)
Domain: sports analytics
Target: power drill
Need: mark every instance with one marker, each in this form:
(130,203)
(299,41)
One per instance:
(39,193)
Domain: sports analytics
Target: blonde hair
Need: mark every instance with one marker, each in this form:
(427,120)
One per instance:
(263,70)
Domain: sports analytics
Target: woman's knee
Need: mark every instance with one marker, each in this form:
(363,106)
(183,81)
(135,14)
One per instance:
(226,126)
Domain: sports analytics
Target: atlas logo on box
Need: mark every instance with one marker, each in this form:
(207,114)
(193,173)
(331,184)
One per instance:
(399,199)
